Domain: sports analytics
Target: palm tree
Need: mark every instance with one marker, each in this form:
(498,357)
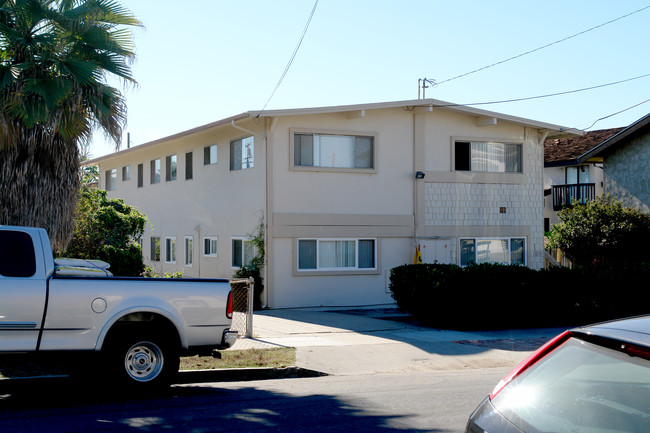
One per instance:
(56,57)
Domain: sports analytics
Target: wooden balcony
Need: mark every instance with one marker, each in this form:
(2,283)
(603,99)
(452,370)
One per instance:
(565,195)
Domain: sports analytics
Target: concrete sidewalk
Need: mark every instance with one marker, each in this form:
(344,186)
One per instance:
(367,341)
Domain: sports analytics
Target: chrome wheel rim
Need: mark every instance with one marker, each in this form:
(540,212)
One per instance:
(144,361)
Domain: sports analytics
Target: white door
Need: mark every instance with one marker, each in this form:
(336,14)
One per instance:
(436,251)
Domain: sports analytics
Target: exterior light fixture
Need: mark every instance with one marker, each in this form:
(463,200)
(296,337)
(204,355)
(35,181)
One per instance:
(419,175)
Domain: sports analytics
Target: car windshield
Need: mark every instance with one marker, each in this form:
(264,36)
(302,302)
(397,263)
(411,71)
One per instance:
(580,387)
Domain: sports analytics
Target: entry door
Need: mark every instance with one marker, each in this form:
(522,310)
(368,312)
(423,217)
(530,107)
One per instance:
(436,251)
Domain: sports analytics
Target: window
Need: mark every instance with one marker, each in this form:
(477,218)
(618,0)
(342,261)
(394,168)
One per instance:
(155,171)
(210,155)
(488,157)
(111,179)
(170,250)
(509,251)
(243,252)
(155,248)
(189,168)
(242,153)
(171,165)
(17,257)
(126,173)
(189,250)
(336,254)
(210,246)
(333,151)
(140,175)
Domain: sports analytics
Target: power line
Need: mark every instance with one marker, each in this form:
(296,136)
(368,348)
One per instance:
(547,95)
(614,114)
(545,46)
(295,51)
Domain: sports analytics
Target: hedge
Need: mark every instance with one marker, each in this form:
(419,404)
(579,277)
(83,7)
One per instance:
(492,296)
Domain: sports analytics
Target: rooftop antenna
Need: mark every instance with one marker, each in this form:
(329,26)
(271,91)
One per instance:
(422,84)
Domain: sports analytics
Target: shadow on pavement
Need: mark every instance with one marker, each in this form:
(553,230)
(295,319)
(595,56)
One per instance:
(62,406)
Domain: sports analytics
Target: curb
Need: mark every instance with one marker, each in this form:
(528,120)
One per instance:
(244,374)
(183,377)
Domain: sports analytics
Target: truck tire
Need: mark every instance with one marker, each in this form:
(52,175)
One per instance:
(143,360)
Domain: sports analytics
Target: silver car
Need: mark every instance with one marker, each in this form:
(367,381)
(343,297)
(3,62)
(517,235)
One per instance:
(593,379)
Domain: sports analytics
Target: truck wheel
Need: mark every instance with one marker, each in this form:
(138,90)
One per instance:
(142,361)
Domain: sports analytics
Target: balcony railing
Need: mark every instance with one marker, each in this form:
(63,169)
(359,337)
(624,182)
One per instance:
(565,195)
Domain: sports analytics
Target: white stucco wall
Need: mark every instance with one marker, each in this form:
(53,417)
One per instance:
(216,202)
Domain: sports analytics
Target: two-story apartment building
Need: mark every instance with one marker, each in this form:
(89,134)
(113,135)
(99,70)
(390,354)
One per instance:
(346,194)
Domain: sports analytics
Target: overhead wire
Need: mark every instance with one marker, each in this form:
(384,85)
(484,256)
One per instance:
(547,95)
(544,46)
(614,114)
(295,51)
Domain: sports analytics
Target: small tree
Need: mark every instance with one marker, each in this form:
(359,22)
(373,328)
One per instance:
(602,230)
(107,229)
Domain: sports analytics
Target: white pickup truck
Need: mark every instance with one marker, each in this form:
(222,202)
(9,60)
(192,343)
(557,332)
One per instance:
(135,329)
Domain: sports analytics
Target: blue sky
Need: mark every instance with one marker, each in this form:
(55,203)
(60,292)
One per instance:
(203,60)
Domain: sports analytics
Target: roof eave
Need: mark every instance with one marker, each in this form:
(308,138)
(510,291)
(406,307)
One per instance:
(221,122)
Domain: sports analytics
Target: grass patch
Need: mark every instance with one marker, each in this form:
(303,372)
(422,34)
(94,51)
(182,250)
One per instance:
(250,358)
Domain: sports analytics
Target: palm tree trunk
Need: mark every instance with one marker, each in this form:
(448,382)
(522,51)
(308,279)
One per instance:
(39,185)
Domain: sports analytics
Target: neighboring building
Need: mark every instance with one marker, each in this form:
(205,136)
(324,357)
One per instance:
(571,172)
(626,157)
(346,194)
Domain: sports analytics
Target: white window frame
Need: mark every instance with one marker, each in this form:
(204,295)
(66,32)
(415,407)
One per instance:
(171,168)
(300,131)
(170,249)
(495,238)
(244,240)
(155,249)
(209,152)
(155,168)
(243,164)
(213,251)
(111,179)
(188,241)
(505,143)
(344,269)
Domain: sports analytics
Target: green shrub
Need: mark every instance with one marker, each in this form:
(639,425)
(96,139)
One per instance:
(493,296)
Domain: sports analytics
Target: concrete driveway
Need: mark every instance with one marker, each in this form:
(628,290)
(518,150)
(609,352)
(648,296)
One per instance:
(367,341)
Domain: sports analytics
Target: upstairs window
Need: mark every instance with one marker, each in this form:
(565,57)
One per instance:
(189,167)
(488,157)
(333,151)
(155,171)
(126,173)
(242,154)
(171,167)
(210,155)
(111,179)
(140,175)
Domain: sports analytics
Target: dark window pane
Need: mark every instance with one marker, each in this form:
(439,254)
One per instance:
(462,156)
(17,258)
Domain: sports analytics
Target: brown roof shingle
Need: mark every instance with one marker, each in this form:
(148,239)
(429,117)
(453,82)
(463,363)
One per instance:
(559,150)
